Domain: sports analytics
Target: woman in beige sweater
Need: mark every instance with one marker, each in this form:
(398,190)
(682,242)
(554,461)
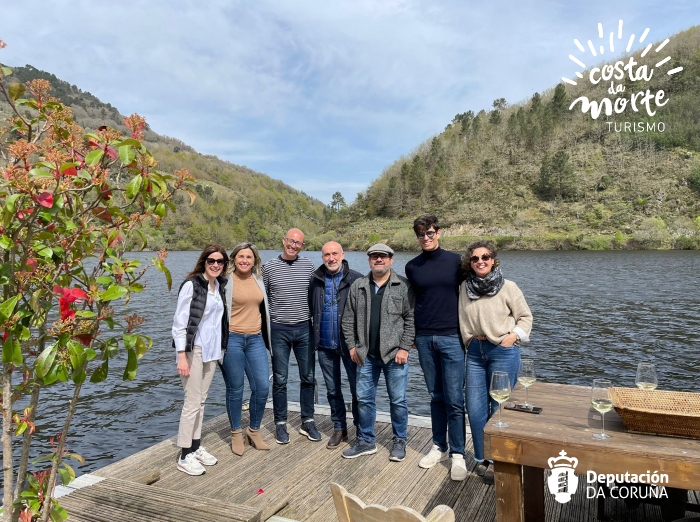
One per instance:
(493,319)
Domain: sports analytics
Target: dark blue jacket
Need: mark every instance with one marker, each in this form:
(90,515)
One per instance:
(317,289)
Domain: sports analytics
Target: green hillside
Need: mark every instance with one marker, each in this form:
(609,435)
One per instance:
(234,203)
(537,175)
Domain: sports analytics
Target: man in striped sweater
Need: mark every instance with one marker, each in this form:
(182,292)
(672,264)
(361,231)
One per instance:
(286,279)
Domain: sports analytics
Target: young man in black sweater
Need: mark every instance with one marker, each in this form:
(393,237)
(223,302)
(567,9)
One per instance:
(435,276)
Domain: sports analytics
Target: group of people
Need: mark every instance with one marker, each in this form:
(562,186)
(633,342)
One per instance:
(458,312)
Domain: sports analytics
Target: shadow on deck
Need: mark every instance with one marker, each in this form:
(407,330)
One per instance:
(292,481)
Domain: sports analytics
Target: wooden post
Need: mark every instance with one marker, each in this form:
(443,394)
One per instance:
(533,494)
(508,479)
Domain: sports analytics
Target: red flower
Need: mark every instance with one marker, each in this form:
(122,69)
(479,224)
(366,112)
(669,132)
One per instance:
(70,171)
(68,296)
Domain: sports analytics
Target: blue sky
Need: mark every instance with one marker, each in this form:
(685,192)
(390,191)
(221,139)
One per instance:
(320,94)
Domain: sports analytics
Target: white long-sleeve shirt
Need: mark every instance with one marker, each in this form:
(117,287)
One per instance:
(209,330)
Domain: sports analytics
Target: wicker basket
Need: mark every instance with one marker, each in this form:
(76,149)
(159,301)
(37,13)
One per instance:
(658,412)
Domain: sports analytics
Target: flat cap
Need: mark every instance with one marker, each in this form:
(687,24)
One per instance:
(380,248)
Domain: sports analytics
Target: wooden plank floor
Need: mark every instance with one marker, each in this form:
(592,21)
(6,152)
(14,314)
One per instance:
(297,476)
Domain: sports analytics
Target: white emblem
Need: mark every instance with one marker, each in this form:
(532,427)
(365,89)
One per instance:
(562,482)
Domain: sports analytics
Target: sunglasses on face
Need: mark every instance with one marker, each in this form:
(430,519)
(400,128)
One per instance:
(211,261)
(374,257)
(484,257)
(429,235)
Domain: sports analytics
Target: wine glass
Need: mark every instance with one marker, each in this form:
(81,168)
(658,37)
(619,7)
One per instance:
(646,376)
(601,401)
(527,377)
(500,392)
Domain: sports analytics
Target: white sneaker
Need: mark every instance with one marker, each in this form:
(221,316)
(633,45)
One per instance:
(203,456)
(459,468)
(433,457)
(190,465)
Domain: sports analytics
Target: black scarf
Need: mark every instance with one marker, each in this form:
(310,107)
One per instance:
(489,285)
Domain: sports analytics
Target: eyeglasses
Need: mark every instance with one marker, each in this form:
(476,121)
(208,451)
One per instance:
(374,257)
(294,243)
(219,261)
(484,257)
(429,235)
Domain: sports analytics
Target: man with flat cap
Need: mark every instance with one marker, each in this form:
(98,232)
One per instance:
(378,328)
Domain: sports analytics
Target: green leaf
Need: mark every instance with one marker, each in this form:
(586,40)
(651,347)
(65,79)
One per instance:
(11,352)
(40,173)
(136,287)
(67,473)
(127,154)
(34,301)
(105,280)
(113,292)
(87,314)
(10,203)
(131,142)
(142,346)
(131,365)
(52,376)
(15,91)
(5,242)
(6,71)
(144,243)
(90,354)
(129,340)
(45,360)
(8,307)
(93,157)
(21,428)
(100,373)
(24,334)
(95,137)
(168,277)
(160,210)
(62,373)
(134,186)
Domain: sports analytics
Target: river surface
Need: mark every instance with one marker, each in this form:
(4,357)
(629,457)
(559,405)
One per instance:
(596,314)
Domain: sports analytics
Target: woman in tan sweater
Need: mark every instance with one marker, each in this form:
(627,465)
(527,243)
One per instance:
(493,319)
(248,344)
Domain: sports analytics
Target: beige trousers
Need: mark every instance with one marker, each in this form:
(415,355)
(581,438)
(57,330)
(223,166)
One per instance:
(196,386)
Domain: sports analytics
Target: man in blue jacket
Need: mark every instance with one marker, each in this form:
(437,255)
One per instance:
(328,292)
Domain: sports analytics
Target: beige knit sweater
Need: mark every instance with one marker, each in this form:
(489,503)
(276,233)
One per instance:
(495,316)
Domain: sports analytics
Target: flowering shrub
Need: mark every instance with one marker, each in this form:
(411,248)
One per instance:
(66,196)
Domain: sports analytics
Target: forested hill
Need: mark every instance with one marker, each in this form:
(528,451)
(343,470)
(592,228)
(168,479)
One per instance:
(538,175)
(235,203)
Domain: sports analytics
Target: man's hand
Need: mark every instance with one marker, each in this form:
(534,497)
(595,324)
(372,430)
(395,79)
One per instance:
(355,358)
(183,365)
(401,356)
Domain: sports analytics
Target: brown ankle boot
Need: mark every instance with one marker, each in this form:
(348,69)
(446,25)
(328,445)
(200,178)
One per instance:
(237,442)
(255,439)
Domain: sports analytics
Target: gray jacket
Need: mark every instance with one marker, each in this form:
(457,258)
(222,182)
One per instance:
(397,329)
(264,307)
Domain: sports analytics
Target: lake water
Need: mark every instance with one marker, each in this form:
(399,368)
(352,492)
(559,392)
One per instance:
(596,314)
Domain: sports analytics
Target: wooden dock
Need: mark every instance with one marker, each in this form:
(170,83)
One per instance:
(292,481)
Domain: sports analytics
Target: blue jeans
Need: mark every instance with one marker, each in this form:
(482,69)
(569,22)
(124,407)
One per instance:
(245,353)
(329,361)
(396,377)
(442,360)
(283,342)
(484,358)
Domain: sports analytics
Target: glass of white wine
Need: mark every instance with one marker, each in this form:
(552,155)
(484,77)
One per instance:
(527,377)
(601,401)
(646,376)
(500,392)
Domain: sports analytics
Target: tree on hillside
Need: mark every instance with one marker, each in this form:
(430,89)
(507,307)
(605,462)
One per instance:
(559,104)
(556,177)
(500,104)
(337,202)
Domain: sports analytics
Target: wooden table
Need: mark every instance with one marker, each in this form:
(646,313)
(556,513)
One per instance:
(520,452)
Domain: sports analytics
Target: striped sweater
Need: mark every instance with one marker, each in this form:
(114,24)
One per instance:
(287,286)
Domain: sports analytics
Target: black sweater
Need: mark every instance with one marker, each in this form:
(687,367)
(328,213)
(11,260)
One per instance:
(435,277)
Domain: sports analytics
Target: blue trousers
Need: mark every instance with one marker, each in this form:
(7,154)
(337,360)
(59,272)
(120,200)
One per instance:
(396,376)
(484,358)
(442,360)
(283,343)
(245,353)
(329,361)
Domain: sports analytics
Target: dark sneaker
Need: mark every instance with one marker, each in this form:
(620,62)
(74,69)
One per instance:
(308,428)
(360,448)
(398,452)
(488,475)
(481,468)
(337,437)
(281,435)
